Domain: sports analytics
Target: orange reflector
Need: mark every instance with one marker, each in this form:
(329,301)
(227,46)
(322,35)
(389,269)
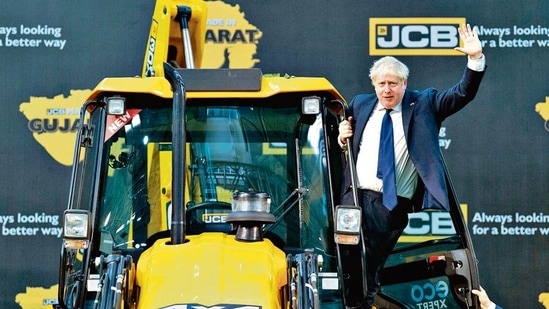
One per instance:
(346,239)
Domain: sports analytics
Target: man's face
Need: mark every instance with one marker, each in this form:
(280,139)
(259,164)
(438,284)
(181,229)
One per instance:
(389,90)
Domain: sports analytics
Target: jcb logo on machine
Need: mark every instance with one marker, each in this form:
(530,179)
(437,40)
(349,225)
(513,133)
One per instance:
(415,36)
(428,225)
(196,306)
(214,218)
(149,59)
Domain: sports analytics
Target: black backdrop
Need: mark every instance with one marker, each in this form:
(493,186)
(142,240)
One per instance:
(498,148)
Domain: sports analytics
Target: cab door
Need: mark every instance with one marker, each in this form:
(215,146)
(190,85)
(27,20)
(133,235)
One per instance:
(433,265)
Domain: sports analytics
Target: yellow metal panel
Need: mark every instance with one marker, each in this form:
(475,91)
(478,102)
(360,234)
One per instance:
(160,87)
(211,269)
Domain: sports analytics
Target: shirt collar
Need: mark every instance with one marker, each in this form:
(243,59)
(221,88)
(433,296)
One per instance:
(380,107)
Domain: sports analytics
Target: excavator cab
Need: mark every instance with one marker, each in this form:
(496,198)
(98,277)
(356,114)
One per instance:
(253,171)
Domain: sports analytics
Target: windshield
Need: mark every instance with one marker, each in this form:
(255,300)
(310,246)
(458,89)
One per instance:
(229,149)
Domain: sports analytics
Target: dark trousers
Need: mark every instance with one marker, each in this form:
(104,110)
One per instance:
(381,228)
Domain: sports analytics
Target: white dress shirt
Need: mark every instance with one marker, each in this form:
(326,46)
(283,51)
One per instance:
(366,164)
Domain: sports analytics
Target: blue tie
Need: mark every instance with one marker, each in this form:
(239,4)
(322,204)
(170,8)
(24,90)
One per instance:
(386,162)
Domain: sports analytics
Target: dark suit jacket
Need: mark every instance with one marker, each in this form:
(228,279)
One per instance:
(422,116)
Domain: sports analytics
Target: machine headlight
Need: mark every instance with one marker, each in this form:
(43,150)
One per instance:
(116,106)
(76,228)
(310,105)
(348,221)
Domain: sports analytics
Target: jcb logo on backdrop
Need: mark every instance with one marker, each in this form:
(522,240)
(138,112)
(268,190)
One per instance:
(429,225)
(414,36)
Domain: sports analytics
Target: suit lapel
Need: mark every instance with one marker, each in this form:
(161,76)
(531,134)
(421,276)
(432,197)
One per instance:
(408,107)
(361,119)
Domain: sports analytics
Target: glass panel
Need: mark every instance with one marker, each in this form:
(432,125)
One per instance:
(428,265)
(229,148)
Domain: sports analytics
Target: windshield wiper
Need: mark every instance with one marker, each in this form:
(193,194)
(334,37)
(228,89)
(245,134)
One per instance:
(300,192)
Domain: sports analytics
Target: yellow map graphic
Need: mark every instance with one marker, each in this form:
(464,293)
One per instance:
(231,41)
(542,108)
(52,120)
(543,298)
(37,298)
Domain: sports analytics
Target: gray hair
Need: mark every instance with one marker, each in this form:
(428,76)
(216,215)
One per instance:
(389,65)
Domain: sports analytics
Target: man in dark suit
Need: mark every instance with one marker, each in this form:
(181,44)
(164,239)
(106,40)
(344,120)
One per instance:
(418,170)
